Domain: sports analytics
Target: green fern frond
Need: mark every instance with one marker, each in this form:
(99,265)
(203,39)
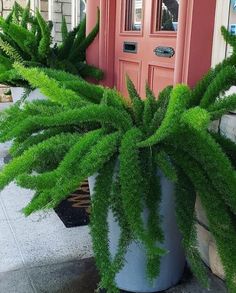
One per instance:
(185,212)
(26,161)
(50,87)
(178,103)
(45,42)
(67,165)
(80,36)
(10,51)
(138,104)
(221,83)
(25,16)
(222,106)
(164,163)
(86,70)
(64,29)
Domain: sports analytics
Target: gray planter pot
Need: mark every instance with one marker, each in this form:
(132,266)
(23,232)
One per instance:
(133,276)
(18,92)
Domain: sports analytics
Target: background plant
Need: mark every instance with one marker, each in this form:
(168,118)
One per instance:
(83,129)
(27,38)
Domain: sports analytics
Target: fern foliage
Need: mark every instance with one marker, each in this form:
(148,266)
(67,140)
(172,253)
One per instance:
(27,39)
(85,129)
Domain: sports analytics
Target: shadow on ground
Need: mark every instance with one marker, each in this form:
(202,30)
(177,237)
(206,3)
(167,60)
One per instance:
(81,277)
(88,280)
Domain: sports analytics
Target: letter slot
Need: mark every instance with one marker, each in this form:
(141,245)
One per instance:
(130,47)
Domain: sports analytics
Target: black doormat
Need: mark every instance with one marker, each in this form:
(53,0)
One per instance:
(74,211)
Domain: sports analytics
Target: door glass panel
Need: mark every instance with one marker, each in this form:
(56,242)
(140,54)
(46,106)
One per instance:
(232,23)
(167,15)
(229,49)
(133,15)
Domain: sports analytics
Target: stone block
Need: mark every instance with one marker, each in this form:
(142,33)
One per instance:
(44,6)
(204,238)
(7,4)
(200,212)
(58,37)
(5,13)
(214,126)
(68,19)
(57,7)
(57,27)
(45,15)
(66,9)
(215,261)
(228,126)
(231,91)
(57,17)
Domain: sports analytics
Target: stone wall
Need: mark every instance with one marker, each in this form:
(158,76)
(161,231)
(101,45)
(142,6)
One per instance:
(64,8)
(227,127)
(61,8)
(6,5)
(44,8)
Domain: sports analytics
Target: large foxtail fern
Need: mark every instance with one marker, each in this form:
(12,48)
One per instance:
(84,129)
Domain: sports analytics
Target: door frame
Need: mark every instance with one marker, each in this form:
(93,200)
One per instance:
(196,25)
(101,52)
(194,40)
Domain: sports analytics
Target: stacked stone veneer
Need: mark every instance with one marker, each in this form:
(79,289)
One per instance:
(44,8)
(207,245)
(6,5)
(61,8)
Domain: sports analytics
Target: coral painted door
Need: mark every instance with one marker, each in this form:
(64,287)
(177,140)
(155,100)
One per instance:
(145,43)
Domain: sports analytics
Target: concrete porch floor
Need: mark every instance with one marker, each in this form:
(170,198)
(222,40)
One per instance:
(39,254)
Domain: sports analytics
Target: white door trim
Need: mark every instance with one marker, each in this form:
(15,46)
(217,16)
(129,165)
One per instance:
(34,4)
(50,9)
(221,18)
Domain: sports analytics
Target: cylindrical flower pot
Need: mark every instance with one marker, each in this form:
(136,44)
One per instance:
(18,92)
(132,277)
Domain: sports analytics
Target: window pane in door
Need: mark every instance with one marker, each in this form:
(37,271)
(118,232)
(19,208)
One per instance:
(167,15)
(133,15)
(232,23)
(229,49)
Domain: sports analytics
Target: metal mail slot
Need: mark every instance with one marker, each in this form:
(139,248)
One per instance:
(164,52)
(130,47)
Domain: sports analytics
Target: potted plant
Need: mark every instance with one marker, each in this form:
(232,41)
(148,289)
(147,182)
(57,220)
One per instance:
(132,149)
(27,39)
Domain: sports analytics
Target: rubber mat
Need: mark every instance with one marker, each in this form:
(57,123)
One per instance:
(75,210)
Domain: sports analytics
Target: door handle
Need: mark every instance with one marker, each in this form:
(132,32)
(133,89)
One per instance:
(130,47)
(167,52)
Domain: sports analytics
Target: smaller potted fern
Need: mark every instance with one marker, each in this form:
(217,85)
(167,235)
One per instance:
(27,39)
(136,153)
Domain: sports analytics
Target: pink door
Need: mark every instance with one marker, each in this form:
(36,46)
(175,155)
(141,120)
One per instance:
(145,43)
